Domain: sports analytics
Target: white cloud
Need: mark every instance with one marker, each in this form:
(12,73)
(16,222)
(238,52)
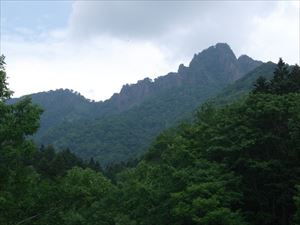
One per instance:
(128,19)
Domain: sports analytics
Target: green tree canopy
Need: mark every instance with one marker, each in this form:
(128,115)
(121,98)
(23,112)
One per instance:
(5,92)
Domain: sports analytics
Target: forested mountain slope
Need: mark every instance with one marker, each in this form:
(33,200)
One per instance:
(123,126)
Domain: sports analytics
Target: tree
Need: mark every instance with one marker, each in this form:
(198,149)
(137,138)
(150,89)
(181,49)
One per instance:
(285,80)
(87,198)
(281,72)
(5,92)
(261,85)
(258,139)
(297,203)
(295,79)
(175,185)
(17,122)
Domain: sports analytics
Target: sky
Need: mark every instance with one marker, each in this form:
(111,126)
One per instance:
(95,47)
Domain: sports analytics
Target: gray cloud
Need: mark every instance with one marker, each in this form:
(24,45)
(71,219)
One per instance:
(183,27)
(130,19)
(154,18)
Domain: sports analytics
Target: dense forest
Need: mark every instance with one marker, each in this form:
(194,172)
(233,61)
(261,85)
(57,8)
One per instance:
(234,164)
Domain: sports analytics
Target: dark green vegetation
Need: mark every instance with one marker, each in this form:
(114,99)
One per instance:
(233,165)
(124,126)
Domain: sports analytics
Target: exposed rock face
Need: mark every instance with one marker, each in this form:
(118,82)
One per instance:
(216,65)
(222,64)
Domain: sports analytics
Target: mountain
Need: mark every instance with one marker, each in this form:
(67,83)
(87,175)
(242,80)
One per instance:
(217,64)
(124,125)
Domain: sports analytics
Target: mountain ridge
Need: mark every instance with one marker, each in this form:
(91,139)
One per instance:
(166,80)
(125,124)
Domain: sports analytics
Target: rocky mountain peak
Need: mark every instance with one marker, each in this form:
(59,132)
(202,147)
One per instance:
(219,60)
(218,52)
(246,63)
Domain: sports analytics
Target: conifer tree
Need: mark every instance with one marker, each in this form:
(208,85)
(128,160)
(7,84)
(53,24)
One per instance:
(261,85)
(5,92)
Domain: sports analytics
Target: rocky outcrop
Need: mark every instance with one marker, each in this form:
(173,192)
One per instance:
(216,65)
